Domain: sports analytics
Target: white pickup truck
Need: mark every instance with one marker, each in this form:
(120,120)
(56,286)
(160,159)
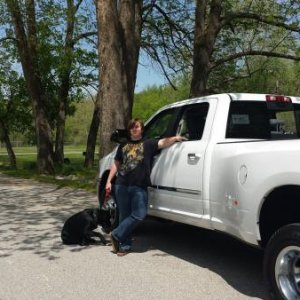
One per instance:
(238,172)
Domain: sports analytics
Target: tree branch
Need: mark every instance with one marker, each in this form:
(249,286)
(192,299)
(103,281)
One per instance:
(275,20)
(148,8)
(155,56)
(172,24)
(7,39)
(77,6)
(234,78)
(89,92)
(252,53)
(84,35)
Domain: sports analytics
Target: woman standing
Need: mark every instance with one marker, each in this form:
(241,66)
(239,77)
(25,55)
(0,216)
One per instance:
(132,164)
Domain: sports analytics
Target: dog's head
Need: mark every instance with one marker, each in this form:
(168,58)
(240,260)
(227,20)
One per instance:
(104,219)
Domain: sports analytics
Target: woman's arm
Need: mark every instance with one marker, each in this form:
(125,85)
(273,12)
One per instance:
(167,142)
(111,175)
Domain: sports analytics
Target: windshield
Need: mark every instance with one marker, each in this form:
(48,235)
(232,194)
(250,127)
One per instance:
(263,120)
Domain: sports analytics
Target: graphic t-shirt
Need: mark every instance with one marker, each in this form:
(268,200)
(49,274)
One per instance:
(136,159)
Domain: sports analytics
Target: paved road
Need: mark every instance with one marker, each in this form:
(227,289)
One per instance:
(171,260)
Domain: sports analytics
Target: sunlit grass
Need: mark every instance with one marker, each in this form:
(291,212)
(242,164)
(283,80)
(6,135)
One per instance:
(72,174)
(32,149)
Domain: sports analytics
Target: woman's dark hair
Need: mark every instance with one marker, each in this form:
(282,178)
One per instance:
(133,122)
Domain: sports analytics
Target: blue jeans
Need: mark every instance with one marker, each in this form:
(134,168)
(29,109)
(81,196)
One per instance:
(132,202)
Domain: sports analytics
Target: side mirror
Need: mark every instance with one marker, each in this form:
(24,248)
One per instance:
(119,136)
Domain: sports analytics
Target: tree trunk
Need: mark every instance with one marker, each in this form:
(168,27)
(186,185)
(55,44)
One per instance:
(27,48)
(92,137)
(61,119)
(207,28)
(60,134)
(65,82)
(4,137)
(119,43)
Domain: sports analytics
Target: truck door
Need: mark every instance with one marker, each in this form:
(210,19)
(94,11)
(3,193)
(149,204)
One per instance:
(177,172)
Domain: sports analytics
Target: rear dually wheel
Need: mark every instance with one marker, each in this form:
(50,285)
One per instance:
(282,263)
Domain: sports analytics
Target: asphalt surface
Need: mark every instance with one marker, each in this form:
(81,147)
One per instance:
(170,260)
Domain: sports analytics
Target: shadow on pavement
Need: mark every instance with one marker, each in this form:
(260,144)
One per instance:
(32,215)
(237,263)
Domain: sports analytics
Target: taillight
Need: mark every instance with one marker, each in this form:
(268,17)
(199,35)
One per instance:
(278,98)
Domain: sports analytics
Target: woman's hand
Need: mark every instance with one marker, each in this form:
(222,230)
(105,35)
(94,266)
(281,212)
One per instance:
(167,142)
(108,186)
(180,138)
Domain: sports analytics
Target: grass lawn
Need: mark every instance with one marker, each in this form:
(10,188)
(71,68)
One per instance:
(73,174)
(32,149)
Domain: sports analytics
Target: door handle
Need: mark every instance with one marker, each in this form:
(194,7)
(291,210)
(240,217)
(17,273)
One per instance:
(193,156)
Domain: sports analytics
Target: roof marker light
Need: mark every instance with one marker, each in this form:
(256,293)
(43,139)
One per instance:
(278,98)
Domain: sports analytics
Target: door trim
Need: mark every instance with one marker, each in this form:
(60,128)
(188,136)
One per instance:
(178,190)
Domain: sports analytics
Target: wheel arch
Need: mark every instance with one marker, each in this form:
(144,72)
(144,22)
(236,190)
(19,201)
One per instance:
(281,207)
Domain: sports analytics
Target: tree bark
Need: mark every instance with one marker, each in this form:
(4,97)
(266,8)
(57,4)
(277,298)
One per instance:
(60,133)
(92,137)
(4,137)
(27,48)
(207,27)
(119,35)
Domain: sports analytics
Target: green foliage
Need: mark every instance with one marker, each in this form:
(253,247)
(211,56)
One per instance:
(153,98)
(77,126)
(55,59)
(256,72)
(15,107)
(168,37)
(272,76)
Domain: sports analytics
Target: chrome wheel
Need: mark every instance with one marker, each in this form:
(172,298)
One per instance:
(111,205)
(287,272)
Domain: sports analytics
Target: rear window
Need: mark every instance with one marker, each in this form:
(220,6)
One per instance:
(263,120)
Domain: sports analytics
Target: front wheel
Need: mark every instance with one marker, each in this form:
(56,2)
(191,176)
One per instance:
(282,263)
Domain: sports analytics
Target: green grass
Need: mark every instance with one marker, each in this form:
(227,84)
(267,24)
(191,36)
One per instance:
(73,174)
(32,149)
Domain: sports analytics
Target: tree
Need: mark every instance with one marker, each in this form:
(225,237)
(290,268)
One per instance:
(119,33)
(273,76)
(216,19)
(4,137)
(15,114)
(215,41)
(71,56)
(56,63)
(92,135)
(27,44)
(167,37)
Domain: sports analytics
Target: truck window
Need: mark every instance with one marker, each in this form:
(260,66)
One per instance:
(192,121)
(263,120)
(160,125)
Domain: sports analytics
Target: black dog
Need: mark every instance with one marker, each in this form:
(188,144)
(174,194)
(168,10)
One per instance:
(78,229)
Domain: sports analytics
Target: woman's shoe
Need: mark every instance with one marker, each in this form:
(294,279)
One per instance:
(123,252)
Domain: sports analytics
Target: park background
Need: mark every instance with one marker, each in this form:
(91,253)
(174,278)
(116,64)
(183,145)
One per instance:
(183,49)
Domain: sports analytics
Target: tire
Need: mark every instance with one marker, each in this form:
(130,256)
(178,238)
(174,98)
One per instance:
(282,263)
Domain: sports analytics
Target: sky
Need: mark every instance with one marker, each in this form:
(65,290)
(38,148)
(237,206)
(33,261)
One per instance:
(148,76)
